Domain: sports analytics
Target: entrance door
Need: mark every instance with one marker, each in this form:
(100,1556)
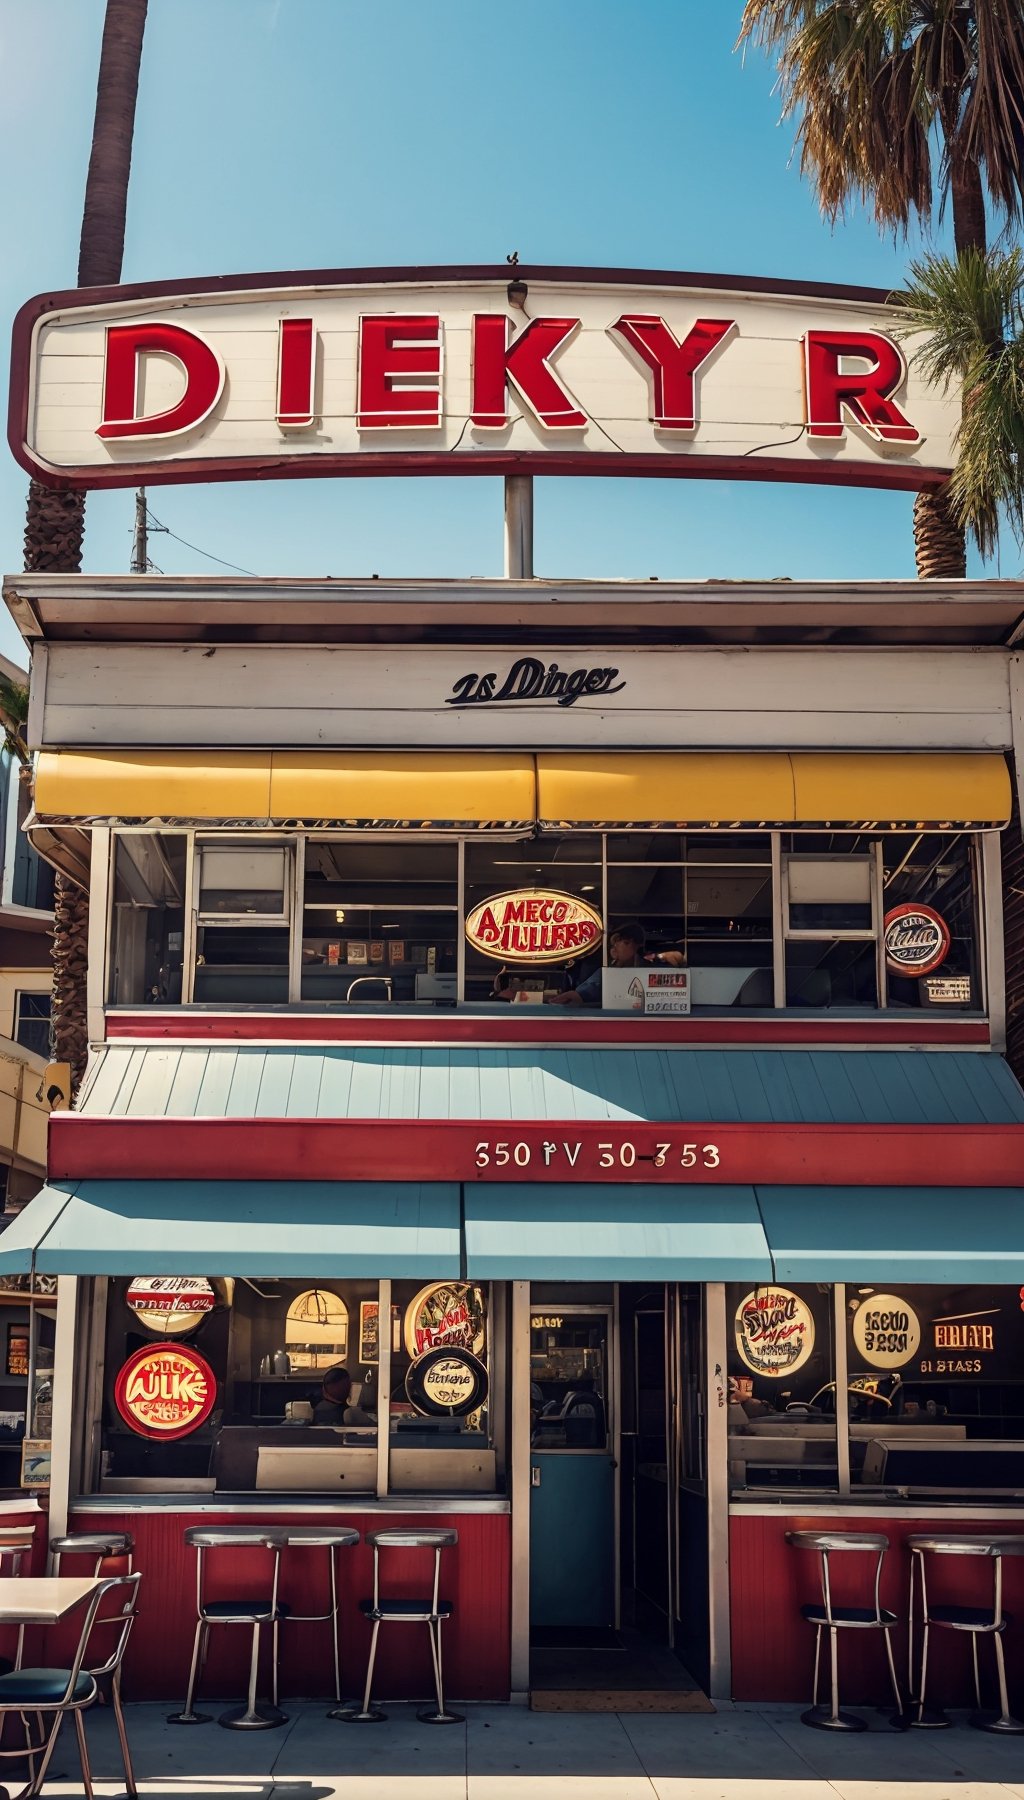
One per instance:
(572,1469)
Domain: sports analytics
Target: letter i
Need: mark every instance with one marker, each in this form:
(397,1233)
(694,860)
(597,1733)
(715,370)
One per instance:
(296,367)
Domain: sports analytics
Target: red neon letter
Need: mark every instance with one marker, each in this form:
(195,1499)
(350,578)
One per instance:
(866,395)
(673,365)
(527,365)
(402,349)
(296,366)
(126,346)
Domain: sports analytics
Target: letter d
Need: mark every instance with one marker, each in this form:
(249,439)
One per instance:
(126,346)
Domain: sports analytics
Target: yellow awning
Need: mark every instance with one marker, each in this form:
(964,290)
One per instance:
(449,790)
(264,787)
(693,788)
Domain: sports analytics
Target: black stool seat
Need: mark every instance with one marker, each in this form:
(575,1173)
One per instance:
(967,1618)
(850,1615)
(224,1610)
(406,1609)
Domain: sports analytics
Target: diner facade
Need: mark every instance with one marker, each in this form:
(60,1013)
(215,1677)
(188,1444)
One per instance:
(578,1011)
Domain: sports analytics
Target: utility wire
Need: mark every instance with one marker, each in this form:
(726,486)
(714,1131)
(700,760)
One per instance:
(156,525)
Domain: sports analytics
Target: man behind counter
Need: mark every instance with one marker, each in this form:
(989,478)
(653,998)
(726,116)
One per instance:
(625,951)
(333,1407)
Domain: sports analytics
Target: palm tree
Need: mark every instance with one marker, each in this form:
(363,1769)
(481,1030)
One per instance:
(876,86)
(55,521)
(968,314)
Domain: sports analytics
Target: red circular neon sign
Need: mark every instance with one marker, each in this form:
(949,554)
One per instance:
(165,1391)
(916,939)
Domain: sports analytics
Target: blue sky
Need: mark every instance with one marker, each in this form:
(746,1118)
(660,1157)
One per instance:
(277,134)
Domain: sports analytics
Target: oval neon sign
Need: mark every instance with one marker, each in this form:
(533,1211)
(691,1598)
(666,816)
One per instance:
(532,925)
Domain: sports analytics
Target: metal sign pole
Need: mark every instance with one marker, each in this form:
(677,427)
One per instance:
(519,527)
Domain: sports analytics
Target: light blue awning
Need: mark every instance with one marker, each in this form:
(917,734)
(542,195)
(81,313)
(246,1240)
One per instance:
(560,1231)
(878,1234)
(386,1230)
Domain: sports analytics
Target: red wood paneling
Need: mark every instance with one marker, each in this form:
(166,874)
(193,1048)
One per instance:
(475,1578)
(147,1149)
(597,1030)
(773,1647)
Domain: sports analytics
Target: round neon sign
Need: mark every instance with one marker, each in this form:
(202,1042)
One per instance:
(165,1391)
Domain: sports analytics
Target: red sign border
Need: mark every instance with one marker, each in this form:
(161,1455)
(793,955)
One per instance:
(142,1355)
(876,473)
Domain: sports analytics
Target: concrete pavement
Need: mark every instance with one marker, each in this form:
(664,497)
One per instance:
(507,1753)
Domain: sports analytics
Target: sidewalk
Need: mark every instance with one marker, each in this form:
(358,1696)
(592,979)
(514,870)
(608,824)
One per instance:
(507,1753)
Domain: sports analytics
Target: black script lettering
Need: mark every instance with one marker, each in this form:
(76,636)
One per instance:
(530,680)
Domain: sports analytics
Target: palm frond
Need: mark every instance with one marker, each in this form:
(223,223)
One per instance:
(963,321)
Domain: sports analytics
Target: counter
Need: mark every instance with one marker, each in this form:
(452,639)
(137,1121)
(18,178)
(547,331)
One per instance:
(476,1579)
(773,1647)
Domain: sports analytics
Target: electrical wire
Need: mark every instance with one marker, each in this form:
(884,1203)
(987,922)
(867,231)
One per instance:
(156,525)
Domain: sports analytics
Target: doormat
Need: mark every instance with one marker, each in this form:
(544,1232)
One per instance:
(575,1637)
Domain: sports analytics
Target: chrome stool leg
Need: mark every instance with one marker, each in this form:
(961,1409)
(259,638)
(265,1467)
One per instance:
(1003,1721)
(253,1716)
(188,1716)
(368,1714)
(439,1715)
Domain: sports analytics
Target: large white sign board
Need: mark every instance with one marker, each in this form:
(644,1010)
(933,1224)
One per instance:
(457,372)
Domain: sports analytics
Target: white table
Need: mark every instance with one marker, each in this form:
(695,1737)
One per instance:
(42,1599)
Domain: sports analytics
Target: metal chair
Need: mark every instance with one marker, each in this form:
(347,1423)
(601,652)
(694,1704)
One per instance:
(254,1613)
(978,1621)
(102,1547)
(385,1610)
(310,1537)
(60,1691)
(833,1618)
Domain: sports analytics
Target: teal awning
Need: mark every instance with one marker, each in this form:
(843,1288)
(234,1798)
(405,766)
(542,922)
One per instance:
(386,1230)
(905,1235)
(337,1081)
(561,1231)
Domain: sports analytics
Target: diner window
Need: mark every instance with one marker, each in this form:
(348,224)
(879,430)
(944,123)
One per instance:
(380,922)
(441,1379)
(243,894)
(148,918)
(564,865)
(702,898)
(938,871)
(274,1386)
(32,1022)
(831,923)
(936,1387)
(782,1388)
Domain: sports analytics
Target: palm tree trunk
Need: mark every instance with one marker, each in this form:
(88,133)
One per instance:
(940,546)
(55,522)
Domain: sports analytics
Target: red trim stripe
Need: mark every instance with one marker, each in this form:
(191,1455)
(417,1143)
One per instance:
(868,1155)
(892,1030)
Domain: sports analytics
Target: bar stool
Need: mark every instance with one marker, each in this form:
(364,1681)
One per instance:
(387,1610)
(100,1545)
(826,1615)
(15,1544)
(978,1621)
(313,1537)
(254,1613)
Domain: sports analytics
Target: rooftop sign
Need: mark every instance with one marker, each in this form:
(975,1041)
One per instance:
(451,372)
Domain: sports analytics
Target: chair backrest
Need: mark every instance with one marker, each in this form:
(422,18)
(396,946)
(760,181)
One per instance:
(837,1543)
(398,1537)
(127,1592)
